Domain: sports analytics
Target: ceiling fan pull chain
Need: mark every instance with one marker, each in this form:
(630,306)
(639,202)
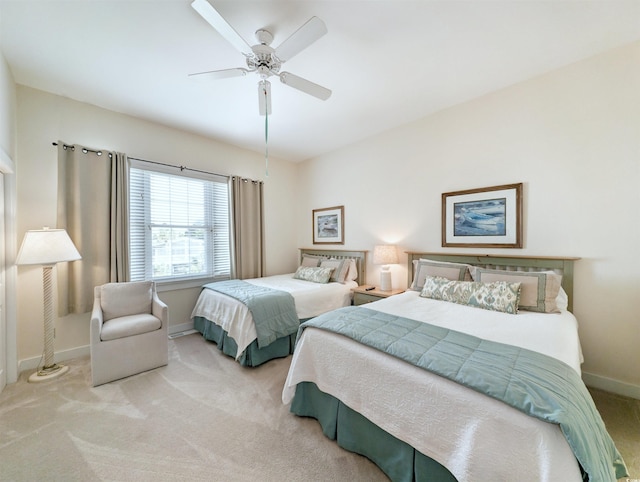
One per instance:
(266,134)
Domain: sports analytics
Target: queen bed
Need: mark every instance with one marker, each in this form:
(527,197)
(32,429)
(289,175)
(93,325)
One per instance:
(453,390)
(225,314)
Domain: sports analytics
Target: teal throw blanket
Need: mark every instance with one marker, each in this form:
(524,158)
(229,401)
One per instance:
(273,311)
(535,384)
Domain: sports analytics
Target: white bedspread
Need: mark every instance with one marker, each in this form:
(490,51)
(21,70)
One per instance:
(311,299)
(474,436)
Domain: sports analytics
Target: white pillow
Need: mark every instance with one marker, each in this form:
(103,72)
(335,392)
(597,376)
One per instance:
(562,300)
(123,299)
(352,273)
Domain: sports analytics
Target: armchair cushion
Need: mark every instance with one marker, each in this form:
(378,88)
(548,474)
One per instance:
(123,299)
(128,326)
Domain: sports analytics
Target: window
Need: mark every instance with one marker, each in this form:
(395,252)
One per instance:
(178,224)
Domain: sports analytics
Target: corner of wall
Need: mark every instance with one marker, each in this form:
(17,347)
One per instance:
(611,385)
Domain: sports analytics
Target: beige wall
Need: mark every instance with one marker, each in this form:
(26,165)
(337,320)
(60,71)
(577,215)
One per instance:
(571,136)
(7,108)
(44,118)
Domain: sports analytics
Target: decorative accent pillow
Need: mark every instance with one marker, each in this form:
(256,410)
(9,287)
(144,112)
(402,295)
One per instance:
(498,296)
(442,269)
(539,288)
(317,275)
(340,268)
(310,261)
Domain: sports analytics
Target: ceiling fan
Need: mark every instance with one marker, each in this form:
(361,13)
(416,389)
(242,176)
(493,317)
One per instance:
(264,59)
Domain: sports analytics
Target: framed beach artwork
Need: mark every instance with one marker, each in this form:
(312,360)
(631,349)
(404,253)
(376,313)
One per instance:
(328,225)
(488,217)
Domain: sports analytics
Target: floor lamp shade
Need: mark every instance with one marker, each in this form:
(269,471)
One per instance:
(46,247)
(385,255)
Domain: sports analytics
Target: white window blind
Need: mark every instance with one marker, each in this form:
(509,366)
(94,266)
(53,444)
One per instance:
(178,224)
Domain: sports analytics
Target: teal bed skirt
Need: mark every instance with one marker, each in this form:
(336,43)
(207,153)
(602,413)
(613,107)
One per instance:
(252,356)
(357,434)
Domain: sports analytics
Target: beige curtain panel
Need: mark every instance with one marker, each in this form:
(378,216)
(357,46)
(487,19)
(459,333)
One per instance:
(92,207)
(248,228)
(119,257)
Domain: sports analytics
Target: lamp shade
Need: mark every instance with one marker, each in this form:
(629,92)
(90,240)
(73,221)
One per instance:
(46,247)
(385,254)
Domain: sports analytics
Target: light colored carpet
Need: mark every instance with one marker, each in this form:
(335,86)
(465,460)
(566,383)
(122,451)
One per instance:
(622,418)
(202,417)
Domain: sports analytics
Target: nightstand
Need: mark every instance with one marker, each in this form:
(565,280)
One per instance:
(361,296)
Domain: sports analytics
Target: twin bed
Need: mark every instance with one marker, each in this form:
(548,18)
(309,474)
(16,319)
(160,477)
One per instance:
(429,402)
(230,323)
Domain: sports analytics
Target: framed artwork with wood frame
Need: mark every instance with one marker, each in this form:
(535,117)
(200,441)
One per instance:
(328,225)
(488,217)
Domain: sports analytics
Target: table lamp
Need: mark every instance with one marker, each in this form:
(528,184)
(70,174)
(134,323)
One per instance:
(385,255)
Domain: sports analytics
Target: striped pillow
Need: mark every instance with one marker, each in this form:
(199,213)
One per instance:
(539,288)
(340,268)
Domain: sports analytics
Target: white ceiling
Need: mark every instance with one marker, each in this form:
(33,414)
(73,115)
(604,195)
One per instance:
(387,62)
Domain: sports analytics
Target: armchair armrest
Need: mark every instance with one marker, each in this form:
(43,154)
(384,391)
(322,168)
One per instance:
(96,321)
(159,309)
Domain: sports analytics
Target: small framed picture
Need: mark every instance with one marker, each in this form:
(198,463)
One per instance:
(488,217)
(328,225)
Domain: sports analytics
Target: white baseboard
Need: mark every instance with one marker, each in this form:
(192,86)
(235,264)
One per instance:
(64,355)
(59,357)
(611,385)
(182,327)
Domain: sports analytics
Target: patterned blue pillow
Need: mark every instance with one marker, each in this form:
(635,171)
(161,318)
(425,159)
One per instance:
(497,296)
(317,275)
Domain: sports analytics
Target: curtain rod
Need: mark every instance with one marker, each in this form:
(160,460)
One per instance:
(84,149)
(182,168)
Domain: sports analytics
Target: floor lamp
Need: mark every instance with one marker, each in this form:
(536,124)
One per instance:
(46,247)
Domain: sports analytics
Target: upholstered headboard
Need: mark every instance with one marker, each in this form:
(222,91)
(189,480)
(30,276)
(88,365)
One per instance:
(359,256)
(560,265)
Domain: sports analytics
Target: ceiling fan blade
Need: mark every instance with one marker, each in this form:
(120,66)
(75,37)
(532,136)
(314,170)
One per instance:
(216,20)
(305,86)
(264,97)
(220,74)
(301,39)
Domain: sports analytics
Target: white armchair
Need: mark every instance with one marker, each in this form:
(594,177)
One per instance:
(128,331)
